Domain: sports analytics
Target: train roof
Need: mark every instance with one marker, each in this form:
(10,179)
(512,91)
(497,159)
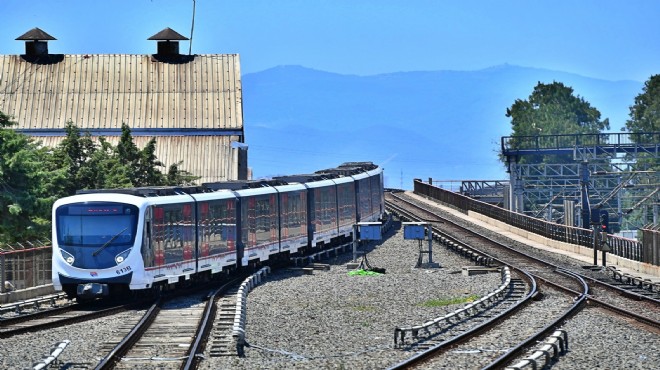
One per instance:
(149,191)
(349,168)
(159,191)
(303,178)
(365,166)
(344,170)
(241,184)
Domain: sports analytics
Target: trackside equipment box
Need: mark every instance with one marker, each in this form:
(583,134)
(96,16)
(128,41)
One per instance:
(414,230)
(370,230)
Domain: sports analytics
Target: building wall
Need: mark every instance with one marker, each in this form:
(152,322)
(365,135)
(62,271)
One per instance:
(192,106)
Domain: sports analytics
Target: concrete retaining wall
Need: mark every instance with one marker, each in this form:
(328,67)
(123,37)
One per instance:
(588,253)
(23,294)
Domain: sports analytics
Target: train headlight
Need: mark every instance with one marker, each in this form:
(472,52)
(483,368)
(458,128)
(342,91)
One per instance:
(122,256)
(68,257)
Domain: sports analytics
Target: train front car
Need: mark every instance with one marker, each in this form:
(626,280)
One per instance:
(96,244)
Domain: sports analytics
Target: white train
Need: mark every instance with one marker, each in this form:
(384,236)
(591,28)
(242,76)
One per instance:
(120,240)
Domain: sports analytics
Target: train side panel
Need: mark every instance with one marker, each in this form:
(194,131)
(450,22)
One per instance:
(363,196)
(346,205)
(171,239)
(293,217)
(323,209)
(217,231)
(259,224)
(377,194)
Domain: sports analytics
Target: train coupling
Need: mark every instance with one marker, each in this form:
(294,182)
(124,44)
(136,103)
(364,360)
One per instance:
(93,290)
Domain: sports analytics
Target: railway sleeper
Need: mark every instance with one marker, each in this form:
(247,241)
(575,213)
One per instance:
(636,281)
(557,343)
(467,311)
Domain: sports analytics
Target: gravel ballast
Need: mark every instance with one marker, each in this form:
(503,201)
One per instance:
(330,320)
(333,320)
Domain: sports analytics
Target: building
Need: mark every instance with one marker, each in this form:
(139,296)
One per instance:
(191,104)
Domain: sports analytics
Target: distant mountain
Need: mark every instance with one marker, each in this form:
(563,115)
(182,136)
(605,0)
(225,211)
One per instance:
(442,124)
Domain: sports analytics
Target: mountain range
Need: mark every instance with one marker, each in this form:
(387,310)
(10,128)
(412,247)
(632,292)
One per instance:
(441,124)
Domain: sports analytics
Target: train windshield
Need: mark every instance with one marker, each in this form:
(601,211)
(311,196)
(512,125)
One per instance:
(96,224)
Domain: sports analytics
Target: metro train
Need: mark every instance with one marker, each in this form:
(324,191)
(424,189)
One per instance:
(114,241)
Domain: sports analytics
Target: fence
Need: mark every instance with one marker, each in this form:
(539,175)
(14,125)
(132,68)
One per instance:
(25,268)
(622,247)
(651,244)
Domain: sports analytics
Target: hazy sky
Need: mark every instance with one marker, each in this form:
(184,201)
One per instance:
(606,39)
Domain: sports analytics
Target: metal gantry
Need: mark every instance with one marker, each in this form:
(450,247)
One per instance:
(612,172)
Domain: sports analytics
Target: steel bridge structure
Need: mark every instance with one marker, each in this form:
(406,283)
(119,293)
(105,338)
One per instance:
(614,172)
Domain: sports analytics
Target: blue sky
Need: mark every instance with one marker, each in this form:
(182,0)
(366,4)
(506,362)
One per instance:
(613,40)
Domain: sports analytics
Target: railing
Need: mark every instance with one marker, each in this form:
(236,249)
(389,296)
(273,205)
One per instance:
(618,142)
(622,247)
(651,244)
(25,268)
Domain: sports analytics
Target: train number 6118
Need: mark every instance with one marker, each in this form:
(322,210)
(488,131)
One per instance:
(123,270)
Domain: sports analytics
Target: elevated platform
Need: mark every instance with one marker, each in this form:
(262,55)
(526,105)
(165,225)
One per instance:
(582,254)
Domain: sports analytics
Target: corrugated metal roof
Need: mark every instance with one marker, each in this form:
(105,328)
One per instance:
(104,91)
(211,157)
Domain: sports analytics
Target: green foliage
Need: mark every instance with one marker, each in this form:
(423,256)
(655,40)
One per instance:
(94,165)
(645,118)
(449,301)
(552,109)
(33,177)
(645,113)
(25,182)
(176,176)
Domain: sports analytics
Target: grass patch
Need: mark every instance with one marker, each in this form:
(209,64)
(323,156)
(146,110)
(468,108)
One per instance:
(449,301)
(364,308)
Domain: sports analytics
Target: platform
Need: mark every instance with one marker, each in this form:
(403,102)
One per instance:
(582,254)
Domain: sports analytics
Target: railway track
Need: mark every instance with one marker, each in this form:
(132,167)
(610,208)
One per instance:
(34,305)
(59,316)
(471,244)
(601,291)
(170,335)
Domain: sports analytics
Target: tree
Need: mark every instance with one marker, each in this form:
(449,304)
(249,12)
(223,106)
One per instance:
(94,166)
(552,109)
(32,177)
(645,123)
(147,171)
(73,154)
(176,176)
(26,185)
(645,113)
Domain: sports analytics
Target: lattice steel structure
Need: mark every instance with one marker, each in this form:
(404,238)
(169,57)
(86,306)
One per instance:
(612,172)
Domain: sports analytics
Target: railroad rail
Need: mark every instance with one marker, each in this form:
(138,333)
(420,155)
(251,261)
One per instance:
(459,334)
(170,334)
(32,305)
(457,237)
(601,289)
(60,316)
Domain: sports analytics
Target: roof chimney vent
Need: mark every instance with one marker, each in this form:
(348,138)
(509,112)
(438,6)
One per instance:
(168,42)
(36,42)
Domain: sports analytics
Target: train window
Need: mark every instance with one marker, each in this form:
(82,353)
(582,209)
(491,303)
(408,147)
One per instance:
(217,227)
(94,224)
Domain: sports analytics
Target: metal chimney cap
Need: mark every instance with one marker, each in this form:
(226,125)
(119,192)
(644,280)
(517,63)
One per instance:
(35,34)
(168,34)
